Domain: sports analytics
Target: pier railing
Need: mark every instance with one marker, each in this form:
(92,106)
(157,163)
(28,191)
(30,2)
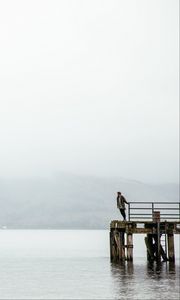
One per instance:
(145,211)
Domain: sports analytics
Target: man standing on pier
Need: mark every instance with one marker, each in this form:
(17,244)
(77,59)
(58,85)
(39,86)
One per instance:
(121,200)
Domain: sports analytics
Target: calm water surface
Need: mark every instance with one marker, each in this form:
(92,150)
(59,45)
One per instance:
(66,264)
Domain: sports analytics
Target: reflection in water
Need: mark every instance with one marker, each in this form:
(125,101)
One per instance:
(154,269)
(161,269)
(172,267)
(122,274)
(144,280)
(122,268)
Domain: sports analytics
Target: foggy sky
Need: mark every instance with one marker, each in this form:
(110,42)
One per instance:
(89,87)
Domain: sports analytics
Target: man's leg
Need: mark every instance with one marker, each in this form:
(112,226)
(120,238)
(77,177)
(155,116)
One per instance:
(123,213)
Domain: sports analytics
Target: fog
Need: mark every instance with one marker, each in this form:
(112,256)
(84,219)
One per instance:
(70,201)
(89,87)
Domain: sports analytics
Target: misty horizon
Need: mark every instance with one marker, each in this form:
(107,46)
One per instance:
(54,175)
(69,201)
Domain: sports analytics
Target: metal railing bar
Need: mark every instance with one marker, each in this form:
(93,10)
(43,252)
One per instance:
(165,208)
(173,218)
(141,208)
(170,214)
(142,218)
(161,208)
(145,214)
(165,202)
(139,214)
(155,205)
(149,202)
(148,218)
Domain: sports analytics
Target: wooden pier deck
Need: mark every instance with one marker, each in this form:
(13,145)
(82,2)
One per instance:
(146,227)
(159,232)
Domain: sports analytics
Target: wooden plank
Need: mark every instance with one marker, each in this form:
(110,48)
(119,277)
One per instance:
(123,223)
(117,240)
(150,249)
(111,246)
(158,256)
(129,246)
(171,254)
(122,245)
(132,227)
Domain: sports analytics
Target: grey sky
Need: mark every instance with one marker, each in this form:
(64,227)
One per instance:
(89,87)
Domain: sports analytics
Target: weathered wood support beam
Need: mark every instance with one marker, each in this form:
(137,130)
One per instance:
(150,247)
(158,243)
(129,246)
(123,257)
(118,244)
(163,253)
(171,254)
(111,245)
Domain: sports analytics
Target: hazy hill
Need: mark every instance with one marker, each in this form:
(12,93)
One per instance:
(70,201)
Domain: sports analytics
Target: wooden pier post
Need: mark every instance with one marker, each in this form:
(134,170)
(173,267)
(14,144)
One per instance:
(171,254)
(122,246)
(118,244)
(111,245)
(117,247)
(158,243)
(150,247)
(129,246)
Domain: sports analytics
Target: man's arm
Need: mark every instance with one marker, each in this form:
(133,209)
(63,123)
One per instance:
(124,199)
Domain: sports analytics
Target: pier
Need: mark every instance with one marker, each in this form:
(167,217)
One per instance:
(159,221)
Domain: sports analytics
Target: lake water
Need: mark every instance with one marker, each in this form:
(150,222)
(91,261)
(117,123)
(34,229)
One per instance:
(74,264)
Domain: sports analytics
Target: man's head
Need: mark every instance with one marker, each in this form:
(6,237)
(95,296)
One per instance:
(119,193)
